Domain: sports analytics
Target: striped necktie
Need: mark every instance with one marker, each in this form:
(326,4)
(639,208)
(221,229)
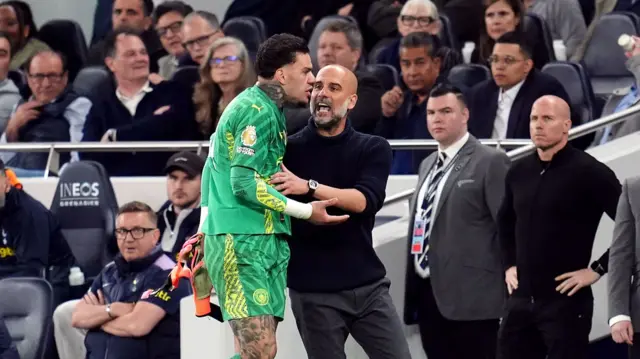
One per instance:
(427,213)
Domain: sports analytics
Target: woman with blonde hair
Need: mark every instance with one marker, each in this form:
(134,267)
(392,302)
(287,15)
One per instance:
(226,71)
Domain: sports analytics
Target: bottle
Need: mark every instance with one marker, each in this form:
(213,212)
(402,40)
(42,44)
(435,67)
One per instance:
(626,42)
(560,50)
(76,277)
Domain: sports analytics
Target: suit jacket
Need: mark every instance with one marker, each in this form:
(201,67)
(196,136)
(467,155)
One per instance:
(484,104)
(631,125)
(464,254)
(624,259)
(364,117)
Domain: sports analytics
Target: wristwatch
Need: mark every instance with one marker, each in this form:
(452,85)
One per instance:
(108,310)
(597,267)
(313,186)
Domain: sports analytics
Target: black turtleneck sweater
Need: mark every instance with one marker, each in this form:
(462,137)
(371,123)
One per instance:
(340,257)
(549,217)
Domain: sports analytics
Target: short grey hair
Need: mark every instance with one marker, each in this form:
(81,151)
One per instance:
(350,31)
(210,18)
(431,7)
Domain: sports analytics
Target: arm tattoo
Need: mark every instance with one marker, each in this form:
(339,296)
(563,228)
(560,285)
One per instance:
(257,336)
(274,91)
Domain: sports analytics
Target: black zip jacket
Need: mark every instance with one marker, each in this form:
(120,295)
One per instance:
(31,242)
(549,217)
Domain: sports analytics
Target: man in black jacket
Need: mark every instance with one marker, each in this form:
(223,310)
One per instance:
(500,107)
(337,283)
(179,217)
(553,203)
(31,244)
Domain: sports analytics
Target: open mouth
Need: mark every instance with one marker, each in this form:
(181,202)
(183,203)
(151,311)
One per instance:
(322,108)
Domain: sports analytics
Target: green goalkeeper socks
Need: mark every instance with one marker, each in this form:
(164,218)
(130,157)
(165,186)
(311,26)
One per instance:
(237,356)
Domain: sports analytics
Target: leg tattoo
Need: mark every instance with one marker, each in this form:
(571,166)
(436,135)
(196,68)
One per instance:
(257,336)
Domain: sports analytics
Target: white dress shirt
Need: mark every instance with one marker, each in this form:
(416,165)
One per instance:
(131,103)
(451,153)
(618,319)
(505,102)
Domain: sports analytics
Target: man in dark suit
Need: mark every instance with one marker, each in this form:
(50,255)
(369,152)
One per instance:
(341,44)
(500,107)
(454,283)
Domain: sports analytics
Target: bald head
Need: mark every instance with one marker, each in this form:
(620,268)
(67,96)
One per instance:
(550,122)
(554,104)
(333,96)
(47,75)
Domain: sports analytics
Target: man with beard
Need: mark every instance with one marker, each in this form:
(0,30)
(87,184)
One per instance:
(244,221)
(337,283)
(554,200)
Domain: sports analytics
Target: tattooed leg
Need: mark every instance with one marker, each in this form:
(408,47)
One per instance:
(257,336)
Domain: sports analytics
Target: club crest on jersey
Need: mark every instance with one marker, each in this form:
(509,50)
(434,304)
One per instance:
(249,136)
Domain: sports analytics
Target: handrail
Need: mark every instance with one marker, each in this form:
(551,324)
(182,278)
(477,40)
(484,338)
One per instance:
(175,146)
(529,147)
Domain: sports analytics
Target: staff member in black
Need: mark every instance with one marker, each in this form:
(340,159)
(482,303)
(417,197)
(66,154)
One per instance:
(554,200)
(337,283)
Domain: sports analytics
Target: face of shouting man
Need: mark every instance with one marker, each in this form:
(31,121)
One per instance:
(333,96)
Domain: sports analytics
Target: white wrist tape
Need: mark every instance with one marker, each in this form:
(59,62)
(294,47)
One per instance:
(204,211)
(298,210)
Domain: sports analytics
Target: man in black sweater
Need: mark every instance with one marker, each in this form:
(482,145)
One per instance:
(554,200)
(337,283)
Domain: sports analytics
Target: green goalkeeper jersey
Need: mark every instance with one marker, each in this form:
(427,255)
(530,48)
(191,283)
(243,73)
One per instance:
(251,136)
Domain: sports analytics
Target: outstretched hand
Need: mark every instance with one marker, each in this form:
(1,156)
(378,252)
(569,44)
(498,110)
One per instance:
(320,215)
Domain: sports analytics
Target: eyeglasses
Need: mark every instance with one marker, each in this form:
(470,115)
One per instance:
(223,60)
(201,41)
(409,20)
(52,76)
(136,233)
(507,60)
(174,27)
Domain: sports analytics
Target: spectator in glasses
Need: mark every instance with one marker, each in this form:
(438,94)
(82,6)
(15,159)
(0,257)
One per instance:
(167,21)
(419,16)
(199,31)
(53,113)
(225,72)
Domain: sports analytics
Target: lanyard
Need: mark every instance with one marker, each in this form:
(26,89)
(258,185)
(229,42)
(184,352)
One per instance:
(434,185)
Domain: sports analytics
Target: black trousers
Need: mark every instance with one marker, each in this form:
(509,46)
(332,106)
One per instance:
(443,338)
(634,350)
(325,320)
(553,329)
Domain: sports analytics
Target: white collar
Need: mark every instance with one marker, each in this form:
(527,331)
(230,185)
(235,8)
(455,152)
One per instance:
(453,150)
(512,92)
(146,88)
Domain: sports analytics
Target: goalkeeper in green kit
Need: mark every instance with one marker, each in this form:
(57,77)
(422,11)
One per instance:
(244,221)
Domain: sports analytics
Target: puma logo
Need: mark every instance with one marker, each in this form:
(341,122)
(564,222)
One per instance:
(256,107)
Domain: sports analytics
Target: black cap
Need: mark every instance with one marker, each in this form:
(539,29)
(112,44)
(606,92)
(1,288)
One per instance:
(188,162)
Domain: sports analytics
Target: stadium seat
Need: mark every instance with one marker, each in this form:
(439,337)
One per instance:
(20,80)
(387,75)
(187,76)
(247,30)
(317,31)
(446,34)
(66,36)
(85,206)
(378,47)
(539,34)
(26,305)
(576,82)
(468,75)
(92,81)
(603,59)
(257,21)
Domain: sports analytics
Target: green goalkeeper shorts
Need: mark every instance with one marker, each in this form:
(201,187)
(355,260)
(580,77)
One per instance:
(248,273)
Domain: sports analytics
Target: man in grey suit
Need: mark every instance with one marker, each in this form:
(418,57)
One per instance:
(622,99)
(455,284)
(624,281)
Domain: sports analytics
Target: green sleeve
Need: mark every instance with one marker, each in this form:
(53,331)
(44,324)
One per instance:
(251,138)
(205,180)
(246,184)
